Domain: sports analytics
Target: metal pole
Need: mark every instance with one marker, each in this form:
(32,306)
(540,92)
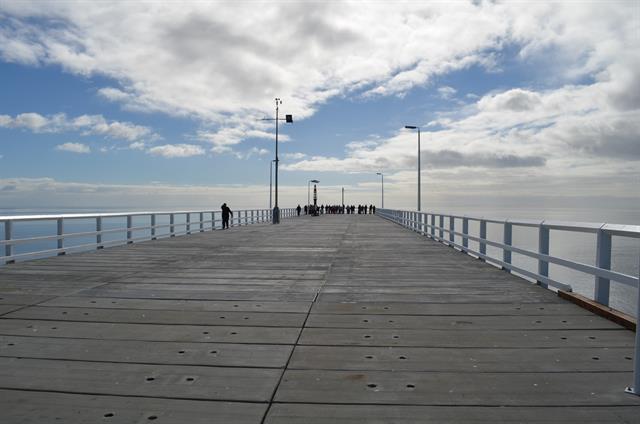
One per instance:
(419,169)
(343,197)
(270,182)
(308,196)
(276,210)
(382,175)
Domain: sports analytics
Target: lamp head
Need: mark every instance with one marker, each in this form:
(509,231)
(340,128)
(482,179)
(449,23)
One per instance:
(315,181)
(410,127)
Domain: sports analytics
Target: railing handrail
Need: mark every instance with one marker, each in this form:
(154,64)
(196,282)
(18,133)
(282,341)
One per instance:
(27,217)
(602,272)
(240,217)
(623,230)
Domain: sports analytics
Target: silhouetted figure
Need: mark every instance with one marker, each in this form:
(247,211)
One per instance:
(306,210)
(226,212)
(298,209)
(374,209)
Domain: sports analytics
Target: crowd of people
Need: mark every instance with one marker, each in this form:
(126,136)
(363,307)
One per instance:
(339,209)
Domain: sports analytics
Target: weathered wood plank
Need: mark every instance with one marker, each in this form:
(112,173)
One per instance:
(561,359)
(146,352)
(179,305)
(455,389)
(166,381)
(28,407)
(134,316)
(149,332)
(466,338)
(285,413)
(432,322)
(447,309)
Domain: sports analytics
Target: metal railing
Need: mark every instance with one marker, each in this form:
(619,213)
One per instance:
(204,221)
(433,226)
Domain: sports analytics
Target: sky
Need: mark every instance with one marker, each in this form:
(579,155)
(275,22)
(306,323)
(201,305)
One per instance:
(149,105)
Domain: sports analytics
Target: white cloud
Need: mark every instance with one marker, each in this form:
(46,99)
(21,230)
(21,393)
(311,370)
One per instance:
(516,100)
(224,139)
(294,156)
(137,145)
(446,92)
(74,148)
(177,150)
(85,124)
(305,53)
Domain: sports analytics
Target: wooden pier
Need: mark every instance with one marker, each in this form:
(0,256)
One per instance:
(333,319)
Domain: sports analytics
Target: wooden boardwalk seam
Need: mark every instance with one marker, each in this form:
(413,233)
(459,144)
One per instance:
(317,320)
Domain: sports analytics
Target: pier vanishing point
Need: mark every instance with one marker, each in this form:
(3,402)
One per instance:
(331,319)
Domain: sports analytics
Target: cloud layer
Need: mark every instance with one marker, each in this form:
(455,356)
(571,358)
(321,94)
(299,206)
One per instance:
(85,124)
(578,114)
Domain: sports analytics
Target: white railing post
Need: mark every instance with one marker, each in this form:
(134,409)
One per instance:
(483,236)
(543,249)
(8,248)
(465,231)
(603,261)
(99,232)
(246,217)
(433,225)
(507,239)
(452,228)
(153,226)
(441,227)
(187,218)
(171,225)
(635,388)
(201,222)
(252,219)
(60,233)
(129,232)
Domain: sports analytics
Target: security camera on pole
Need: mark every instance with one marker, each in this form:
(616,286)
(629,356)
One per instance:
(288,119)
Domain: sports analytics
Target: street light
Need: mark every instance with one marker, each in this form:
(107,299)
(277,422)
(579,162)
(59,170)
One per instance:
(270,180)
(308,194)
(411,127)
(288,119)
(382,176)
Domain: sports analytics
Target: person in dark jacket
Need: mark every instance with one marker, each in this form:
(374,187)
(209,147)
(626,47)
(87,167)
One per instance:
(226,211)
(298,209)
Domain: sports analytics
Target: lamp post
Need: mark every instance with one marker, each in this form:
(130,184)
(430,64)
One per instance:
(288,119)
(412,127)
(308,194)
(270,180)
(382,179)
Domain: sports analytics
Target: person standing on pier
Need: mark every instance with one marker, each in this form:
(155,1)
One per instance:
(298,209)
(226,211)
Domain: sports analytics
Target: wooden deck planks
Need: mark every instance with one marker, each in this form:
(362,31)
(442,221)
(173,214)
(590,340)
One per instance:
(315,311)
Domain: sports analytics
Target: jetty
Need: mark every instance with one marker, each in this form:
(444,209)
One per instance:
(330,319)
